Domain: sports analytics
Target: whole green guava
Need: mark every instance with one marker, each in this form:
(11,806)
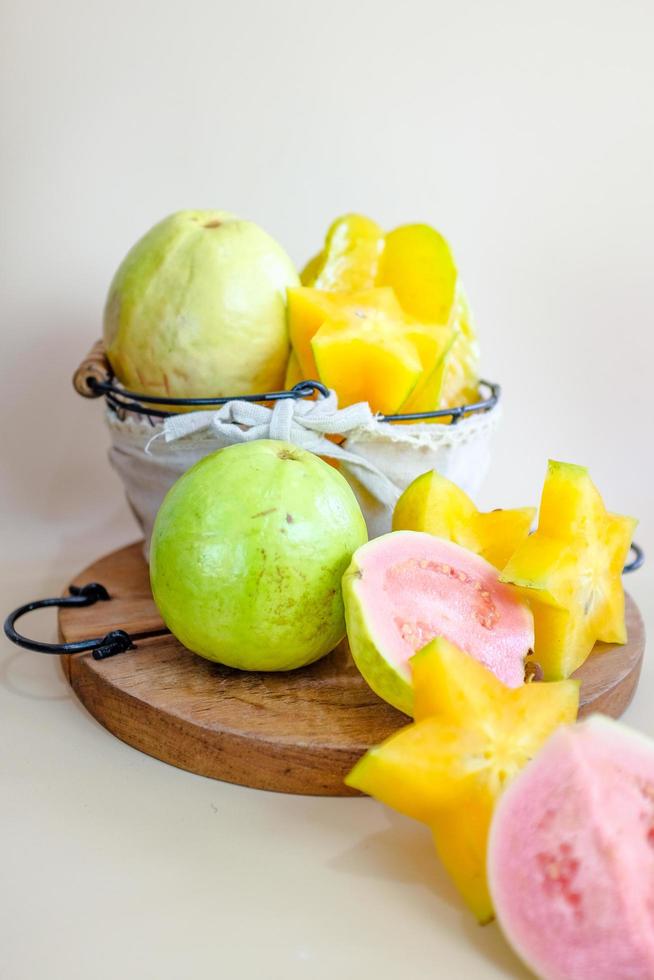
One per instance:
(248,551)
(198,309)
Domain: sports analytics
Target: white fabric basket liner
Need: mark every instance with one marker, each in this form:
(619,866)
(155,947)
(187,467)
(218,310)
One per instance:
(378,459)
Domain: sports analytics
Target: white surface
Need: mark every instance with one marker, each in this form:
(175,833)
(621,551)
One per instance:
(524,131)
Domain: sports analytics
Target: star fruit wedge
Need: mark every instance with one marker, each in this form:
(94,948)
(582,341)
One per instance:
(434,344)
(308,308)
(371,355)
(471,735)
(367,358)
(367,346)
(461,376)
(350,257)
(570,571)
(434,504)
(414,260)
(294,373)
(417,263)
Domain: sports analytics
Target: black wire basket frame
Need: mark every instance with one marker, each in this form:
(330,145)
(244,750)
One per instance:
(123,400)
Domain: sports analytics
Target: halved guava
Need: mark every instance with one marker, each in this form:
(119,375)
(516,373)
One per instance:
(404,588)
(571,855)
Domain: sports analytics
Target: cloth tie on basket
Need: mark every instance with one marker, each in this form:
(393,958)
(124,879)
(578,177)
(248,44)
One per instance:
(298,421)
(378,459)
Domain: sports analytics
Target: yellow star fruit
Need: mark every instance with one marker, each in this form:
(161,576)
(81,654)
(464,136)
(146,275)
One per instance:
(570,571)
(367,347)
(309,308)
(434,504)
(350,258)
(471,735)
(417,263)
(433,343)
(461,375)
(366,356)
(293,372)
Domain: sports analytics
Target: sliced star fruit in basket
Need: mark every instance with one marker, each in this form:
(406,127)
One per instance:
(350,259)
(570,571)
(294,372)
(455,379)
(433,343)
(309,308)
(313,310)
(414,260)
(311,269)
(417,263)
(461,370)
(472,734)
(365,356)
(434,504)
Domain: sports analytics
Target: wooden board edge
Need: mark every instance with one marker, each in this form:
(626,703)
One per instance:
(204,752)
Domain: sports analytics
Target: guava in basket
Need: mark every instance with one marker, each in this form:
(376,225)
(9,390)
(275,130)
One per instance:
(197,309)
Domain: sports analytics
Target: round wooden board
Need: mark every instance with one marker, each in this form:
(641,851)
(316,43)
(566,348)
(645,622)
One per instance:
(296,732)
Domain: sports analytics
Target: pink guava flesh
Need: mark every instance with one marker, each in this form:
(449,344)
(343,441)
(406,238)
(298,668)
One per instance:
(571,856)
(415,586)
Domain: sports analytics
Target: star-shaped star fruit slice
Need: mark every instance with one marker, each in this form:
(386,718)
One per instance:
(433,343)
(366,356)
(351,255)
(418,263)
(570,571)
(434,504)
(309,308)
(461,369)
(472,734)
(293,372)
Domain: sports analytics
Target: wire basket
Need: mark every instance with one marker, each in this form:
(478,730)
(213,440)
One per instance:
(385,452)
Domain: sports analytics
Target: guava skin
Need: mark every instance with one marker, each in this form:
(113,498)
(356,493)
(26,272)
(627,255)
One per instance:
(389,685)
(248,551)
(198,309)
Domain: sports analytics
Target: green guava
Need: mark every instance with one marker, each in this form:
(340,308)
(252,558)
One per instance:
(248,551)
(198,309)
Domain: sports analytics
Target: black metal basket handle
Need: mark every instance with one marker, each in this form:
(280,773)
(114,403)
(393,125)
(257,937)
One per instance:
(117,641)
(637,561)
(109,645)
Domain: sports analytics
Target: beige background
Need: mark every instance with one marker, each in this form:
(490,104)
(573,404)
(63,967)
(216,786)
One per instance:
(525,132)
